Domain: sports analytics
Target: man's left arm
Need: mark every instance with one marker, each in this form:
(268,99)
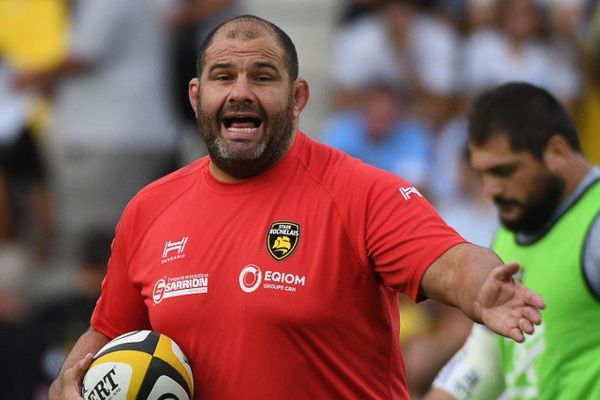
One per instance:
(475,280)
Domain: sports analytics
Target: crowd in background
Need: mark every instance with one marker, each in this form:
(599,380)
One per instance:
(93,105)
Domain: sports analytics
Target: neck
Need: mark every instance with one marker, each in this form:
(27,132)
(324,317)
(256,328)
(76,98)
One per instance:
(577,169)
(221,175)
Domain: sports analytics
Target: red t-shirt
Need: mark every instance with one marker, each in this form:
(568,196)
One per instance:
(283,286)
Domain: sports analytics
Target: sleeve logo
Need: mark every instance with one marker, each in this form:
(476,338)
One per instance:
(408,191)
(174,250)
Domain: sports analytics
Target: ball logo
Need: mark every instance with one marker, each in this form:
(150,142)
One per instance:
(159,290)
(104,388)
(250,278)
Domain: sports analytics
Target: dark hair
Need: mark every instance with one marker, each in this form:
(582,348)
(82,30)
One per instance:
(252,27)
(527,114)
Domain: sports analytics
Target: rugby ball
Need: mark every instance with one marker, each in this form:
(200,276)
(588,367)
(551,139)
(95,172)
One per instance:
(139,365)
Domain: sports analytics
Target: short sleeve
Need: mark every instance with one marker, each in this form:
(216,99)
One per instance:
(121,307)
(404,235)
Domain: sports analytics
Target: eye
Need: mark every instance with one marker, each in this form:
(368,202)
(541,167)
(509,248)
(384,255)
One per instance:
(223,77)
(263,78)
(503,171)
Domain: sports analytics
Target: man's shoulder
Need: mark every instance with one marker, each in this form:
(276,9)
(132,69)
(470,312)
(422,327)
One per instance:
(164,190)
(179,178)
(336,169)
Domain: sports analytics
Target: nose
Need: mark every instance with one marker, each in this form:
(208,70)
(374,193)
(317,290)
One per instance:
(491,186)
(241,91)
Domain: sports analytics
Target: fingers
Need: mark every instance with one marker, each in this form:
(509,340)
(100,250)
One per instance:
(76,372)
(535,300)
(533,315)
(81,367)
(517,335)
(85,363)
(68,386)
(515,308)
(526,326)
(505,272)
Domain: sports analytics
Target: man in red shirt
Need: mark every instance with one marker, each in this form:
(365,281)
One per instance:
(276,262)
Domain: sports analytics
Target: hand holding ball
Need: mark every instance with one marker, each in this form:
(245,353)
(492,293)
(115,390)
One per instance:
(140,365)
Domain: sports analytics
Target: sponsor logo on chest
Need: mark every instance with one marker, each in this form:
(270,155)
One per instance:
(184,285)
(252,278)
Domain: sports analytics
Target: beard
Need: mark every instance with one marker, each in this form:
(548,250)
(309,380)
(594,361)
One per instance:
(536,211)
(254,160)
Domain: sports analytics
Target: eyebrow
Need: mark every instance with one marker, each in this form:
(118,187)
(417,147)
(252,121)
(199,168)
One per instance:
(257,64)
(265,64)
(502,168)
(221,65)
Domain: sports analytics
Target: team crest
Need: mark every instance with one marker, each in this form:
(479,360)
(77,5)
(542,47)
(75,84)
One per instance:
(282,239)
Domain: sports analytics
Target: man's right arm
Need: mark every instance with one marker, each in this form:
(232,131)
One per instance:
(67,385)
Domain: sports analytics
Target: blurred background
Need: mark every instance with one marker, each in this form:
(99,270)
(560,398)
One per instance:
(93,106)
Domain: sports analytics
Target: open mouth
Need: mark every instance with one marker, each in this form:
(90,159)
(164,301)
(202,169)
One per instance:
(242,123)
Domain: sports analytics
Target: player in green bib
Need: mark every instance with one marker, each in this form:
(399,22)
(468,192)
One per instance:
(527,151)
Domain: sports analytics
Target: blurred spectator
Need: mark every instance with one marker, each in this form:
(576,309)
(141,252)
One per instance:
(25,216)
(567,17)
(447,144)
(426,345)
(515,50)
(481,13)
(353,9)
(403,46)
(114,128)
(379,132)
(589,121)
(469,211)
(60,322)
(32,35)
(17,353)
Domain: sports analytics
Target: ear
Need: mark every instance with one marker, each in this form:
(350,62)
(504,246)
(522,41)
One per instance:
(301,94)
(557,153)
(194,93)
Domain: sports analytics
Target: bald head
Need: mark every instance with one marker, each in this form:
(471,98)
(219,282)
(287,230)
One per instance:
(249,27)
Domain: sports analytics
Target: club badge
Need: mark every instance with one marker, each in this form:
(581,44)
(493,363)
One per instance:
(282,239)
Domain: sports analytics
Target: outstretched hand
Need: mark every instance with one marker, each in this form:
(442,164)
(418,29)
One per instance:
(507,306)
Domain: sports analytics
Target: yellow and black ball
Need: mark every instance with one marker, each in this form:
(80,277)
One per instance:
(139,365)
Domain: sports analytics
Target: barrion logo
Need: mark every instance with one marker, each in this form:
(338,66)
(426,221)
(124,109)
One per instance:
(185,285)
(282,239)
